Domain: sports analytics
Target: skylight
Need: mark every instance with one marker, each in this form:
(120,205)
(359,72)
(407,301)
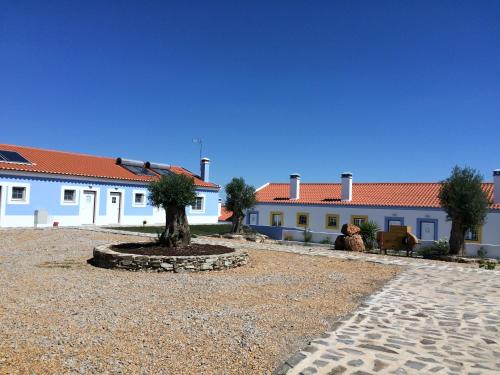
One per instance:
(12,157)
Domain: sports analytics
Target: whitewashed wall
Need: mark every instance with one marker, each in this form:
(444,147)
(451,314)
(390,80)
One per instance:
(490,231)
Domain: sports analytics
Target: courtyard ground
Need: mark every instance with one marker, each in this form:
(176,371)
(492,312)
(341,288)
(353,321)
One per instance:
(59,314)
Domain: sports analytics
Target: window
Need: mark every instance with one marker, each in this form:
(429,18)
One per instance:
(18,193)
(69,195)
(332,221)
(473,235)
(302,219)
(276,219)
(198,204)
(139,198)
(358,219)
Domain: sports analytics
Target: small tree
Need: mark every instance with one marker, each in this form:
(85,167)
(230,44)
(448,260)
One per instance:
(466,204)
(173,193)
(240,197)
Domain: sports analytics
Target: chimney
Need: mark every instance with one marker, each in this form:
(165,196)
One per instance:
(496,186)
(205,169)
(294,186)
(346,192)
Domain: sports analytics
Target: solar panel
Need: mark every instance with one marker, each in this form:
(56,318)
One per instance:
(163,172)
(12,157)
(140,171)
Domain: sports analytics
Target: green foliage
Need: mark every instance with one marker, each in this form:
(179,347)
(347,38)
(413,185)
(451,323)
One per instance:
(465,202)
(481,252)
(326,241)
(288,237)
(307,235)
(239,197)
(174,190)
(436,250)
(487,265)
(369,231)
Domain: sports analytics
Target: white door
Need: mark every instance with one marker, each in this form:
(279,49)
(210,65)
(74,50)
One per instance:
(253,219)
(427,231)
(87,207)
(114,207)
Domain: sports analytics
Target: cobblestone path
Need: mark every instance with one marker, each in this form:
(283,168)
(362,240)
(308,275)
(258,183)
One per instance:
(434,318)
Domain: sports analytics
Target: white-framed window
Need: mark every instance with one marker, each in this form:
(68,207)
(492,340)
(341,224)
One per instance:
(199,204)
(139,198)
(19,193)
(69,195)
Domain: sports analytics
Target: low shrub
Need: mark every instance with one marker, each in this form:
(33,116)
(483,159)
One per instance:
(487,265)
(369,231)
(326,241)
(481,252)
(436,250)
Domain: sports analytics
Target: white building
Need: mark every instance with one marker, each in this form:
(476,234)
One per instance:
(285,209)
(47,188)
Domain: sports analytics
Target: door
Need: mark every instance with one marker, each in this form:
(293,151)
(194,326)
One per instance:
(253,218)
(87,207)
(114,207)
(427,231)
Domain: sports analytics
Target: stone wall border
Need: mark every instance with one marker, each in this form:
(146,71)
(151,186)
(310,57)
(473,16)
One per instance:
(105,257)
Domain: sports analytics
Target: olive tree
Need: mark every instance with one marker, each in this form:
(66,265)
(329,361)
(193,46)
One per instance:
(466,204)
(240,197)
(173,193)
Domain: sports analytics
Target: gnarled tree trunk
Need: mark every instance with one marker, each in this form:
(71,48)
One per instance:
(457,238)
(237,223)
(177,232)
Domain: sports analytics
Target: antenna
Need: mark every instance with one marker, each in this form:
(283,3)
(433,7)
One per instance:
(200,141)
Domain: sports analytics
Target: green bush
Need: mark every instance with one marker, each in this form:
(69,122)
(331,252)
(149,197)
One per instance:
(436,250)
(326,241)
(487,265)
(481,252)
(369,231)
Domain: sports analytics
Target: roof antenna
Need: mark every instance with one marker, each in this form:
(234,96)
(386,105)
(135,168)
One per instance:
(200,141)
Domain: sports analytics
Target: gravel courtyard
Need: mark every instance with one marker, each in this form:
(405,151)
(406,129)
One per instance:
(58,314)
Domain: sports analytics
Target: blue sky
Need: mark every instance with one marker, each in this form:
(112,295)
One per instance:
(389,90)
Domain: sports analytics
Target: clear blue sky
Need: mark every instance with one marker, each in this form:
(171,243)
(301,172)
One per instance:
(389,90)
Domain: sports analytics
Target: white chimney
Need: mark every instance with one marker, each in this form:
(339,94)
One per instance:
(205,169)
(346,193)
(496,186)
(294,186)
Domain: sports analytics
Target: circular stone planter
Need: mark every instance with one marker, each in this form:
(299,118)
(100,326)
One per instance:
(105,257)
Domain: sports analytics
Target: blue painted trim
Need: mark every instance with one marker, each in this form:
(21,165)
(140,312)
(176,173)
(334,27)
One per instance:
(349,206)
(419,227)
(393,218)
(252,212)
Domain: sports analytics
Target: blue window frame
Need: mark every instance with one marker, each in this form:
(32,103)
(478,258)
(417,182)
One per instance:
(251,213)
(419,227)
(390,220)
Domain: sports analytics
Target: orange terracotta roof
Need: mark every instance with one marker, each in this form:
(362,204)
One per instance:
(363,194)
(225,214)
(81,165)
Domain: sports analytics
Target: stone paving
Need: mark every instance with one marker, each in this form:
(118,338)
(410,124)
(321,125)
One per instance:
(434,318)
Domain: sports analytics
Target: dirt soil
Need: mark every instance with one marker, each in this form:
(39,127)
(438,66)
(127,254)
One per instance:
(60,315)
(153,249)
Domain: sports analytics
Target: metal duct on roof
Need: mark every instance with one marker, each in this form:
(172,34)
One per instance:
(134,163)
(151,165)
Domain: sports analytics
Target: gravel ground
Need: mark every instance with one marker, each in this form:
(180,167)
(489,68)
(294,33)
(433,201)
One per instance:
(58,314)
